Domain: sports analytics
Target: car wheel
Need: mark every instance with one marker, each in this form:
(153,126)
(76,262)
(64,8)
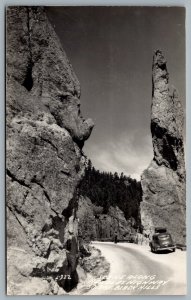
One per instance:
(152,250)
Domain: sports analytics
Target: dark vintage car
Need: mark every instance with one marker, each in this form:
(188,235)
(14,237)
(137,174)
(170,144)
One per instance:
(162,240)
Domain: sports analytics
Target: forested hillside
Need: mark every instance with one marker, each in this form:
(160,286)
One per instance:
(107,189)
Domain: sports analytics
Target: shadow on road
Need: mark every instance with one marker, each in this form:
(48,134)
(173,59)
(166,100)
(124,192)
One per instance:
(162,252)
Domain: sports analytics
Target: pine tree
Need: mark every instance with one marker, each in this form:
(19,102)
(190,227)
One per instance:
(106,189)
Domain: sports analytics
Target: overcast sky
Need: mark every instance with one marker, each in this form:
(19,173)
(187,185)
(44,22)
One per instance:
(111,49)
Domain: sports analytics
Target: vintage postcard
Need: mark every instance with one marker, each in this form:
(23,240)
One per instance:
(95,133)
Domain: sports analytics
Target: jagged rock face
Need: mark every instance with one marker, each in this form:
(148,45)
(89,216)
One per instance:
(113,224)
(94,225)
(163,182)
(45,134)
(42,68)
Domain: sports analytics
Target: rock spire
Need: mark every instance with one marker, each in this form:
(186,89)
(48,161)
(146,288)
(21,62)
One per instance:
(163,182)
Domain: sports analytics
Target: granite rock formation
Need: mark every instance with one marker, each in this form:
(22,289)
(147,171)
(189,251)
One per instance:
(45,134)
(114,223)
(95,225)
(163,182)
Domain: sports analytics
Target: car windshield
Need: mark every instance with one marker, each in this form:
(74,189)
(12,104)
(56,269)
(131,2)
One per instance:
(164,237)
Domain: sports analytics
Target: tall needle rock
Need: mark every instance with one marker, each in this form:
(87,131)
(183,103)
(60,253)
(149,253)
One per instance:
(163,182)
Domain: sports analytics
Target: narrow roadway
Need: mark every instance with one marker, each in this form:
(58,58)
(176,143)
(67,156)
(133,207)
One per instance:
(164,274)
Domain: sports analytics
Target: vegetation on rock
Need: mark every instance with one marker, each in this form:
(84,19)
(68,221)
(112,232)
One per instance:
(106,189)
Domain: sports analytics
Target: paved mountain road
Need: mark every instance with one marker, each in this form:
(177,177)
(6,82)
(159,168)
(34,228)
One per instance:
(164,274)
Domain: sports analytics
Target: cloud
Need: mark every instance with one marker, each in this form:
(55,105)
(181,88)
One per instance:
(130,154)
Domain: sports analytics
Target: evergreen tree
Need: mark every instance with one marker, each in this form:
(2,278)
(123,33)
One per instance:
(106,189)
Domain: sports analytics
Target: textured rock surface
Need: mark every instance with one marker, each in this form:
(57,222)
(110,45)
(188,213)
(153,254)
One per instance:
(94,225)
(163,182)
(92,269)
(45,134)
(114,223)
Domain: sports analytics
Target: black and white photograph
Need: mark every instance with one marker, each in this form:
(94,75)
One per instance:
(95,150)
